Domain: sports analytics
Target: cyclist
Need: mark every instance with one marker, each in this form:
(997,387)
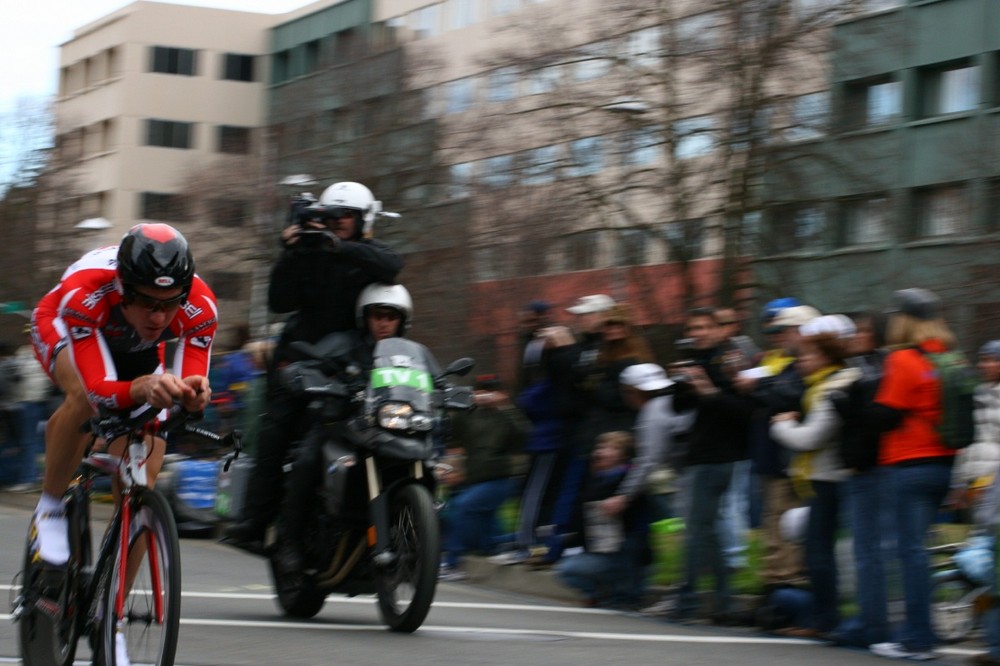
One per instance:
(100,336)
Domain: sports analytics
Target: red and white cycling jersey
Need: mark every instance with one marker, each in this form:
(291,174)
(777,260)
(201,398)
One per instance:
(83,313)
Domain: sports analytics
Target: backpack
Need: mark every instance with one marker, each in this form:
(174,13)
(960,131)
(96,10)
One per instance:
(958,379)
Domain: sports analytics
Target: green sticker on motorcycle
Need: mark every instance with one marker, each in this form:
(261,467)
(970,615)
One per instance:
(418,379)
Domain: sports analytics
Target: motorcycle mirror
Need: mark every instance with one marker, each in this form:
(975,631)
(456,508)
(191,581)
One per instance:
(459,367)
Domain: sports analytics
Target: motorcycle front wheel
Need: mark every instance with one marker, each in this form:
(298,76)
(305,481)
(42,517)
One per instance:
(406,587)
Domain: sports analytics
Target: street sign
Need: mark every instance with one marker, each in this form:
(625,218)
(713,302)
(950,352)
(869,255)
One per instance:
(12,307)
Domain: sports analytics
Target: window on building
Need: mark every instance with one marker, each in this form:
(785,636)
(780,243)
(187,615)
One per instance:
(695,137)
(685,239)
(942,210)
(229,285)
(797,227)
(462,13)
(544,80)
(426,21)
(162,207)
(541,165)
(583,251)
(750,234)
(501,84)
(230,212)
(873,103)
(643,145)
(867,220)
(168,60)
(237,67)
(808,116)
(497,172)
(642,47)
(592,62)
(234,140)
(168,134)
(347,46)
(281,63)
(460,180)
(586,156)
(632,247)
(504,7)
(460,95)
(950,89)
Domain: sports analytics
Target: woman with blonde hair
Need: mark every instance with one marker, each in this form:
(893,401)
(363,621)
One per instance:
(918,463)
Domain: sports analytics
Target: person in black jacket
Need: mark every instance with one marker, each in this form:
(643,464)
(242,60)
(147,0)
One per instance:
(718,438)
(329,257)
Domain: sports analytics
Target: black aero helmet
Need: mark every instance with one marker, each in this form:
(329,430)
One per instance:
(155,255)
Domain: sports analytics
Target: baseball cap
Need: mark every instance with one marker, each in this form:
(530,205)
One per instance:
(645,377)
(837,324)
(591,304)
(991,348)
(795,316)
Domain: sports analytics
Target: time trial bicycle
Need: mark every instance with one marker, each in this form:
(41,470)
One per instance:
(127,600)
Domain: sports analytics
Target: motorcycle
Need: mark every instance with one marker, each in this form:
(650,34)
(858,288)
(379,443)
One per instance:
(370,523)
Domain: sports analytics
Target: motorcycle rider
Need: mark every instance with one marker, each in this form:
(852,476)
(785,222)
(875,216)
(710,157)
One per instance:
(329,257)
(383,311)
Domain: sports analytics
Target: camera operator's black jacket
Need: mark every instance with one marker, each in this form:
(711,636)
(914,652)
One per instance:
(321,286)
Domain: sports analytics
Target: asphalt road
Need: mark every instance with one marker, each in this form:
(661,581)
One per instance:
(229,617)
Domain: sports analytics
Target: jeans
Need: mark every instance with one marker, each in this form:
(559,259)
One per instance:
(734,520)
(873,525)
(821,561)
(31,441)
(470,520)
(705,485)
(919,491)
(615,578)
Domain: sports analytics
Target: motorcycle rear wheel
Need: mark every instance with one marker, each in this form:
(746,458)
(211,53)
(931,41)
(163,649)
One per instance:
(406,587)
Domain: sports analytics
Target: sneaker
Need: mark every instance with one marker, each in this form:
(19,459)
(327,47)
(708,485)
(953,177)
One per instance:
(451,574)
(121,651)
(660,608)
(51,543)
(510,557)
(898,651)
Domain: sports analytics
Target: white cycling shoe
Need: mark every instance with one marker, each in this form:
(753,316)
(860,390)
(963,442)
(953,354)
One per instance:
(51,540)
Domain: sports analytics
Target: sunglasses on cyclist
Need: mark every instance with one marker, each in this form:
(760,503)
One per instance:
(146,302)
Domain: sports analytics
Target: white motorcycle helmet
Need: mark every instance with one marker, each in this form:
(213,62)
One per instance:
(386,295)
(354,196)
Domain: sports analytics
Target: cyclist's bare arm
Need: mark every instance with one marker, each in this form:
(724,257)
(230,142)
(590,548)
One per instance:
(160,391)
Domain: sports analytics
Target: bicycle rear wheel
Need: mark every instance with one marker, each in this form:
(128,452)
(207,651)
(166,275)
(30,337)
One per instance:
(142,608)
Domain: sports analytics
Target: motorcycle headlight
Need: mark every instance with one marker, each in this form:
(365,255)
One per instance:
(400,416)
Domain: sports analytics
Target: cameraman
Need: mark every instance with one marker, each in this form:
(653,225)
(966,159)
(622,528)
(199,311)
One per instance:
(329,257)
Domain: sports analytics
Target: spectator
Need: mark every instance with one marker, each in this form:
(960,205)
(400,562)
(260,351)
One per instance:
(976,465)
(532,319)
(32,394)
(817,466)
(233,374)
(868,493)
(775,387)
(486,440)
(717,439)
(907,407)
(621,346)
(614,543)
(571,366)
(735,519)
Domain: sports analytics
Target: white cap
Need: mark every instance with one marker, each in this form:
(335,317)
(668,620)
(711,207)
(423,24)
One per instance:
(645,377)
(837,324)
(591,304)
(795,316)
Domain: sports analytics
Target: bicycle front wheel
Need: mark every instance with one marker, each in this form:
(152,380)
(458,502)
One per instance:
(142,605)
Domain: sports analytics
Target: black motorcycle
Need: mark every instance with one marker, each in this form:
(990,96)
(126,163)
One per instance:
(366,466)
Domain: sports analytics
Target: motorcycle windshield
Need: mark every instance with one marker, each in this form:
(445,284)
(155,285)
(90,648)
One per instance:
(400,373)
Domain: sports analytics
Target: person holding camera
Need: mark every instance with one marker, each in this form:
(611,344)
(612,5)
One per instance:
(328,258)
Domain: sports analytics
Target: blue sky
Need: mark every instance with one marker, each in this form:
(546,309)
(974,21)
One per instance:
(32,31)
